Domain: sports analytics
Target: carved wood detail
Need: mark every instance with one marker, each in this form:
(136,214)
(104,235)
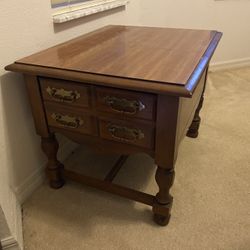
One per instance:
(163,199)
(54,167)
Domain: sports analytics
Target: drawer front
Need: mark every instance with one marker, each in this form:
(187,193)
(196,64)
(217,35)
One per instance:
(70,119)
(63,91)
(126,103)
(137,134)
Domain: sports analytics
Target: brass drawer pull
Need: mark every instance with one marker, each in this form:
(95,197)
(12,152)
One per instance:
(123,105)
(67,121)
(124,133)
(63,95)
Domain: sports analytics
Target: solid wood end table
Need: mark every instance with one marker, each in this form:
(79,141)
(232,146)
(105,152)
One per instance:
(121,89)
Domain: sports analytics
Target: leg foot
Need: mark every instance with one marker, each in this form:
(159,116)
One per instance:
(193,131)
(54,167)
(57,181)
(163,199)
(161,220)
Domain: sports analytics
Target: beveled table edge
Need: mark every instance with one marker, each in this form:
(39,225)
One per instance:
(101,80)
(203,63)
(121,82)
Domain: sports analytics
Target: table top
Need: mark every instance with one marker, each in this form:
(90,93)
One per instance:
(165,56)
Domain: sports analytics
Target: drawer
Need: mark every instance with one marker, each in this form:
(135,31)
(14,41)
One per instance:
(62,91)
(126,103)
(70,119)
(137,134)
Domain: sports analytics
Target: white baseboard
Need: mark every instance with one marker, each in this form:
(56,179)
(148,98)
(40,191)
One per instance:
(9,243)
(231,64)
(14,221)
(35,179)
(23,191)
(30,184)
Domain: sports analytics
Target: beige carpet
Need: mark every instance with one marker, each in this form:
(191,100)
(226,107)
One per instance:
(211,192)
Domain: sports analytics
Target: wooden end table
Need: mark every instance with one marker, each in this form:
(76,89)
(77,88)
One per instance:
(121,89)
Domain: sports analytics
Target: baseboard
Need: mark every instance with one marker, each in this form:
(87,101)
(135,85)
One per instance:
(14,220)
(231,64)
(9,243)
(35,179)
(30,184)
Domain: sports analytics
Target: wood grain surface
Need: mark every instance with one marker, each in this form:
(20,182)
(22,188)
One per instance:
(148,102)
(88,123)
(120,90)
(82,92)
(153,54)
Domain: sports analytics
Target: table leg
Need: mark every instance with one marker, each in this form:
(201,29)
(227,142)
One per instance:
(163,199)
(193,131)
(54,167)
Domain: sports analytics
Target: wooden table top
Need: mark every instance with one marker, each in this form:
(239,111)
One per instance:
(153,54)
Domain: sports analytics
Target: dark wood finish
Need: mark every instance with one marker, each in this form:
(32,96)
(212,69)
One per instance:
(102,145)
(165,179)
(203,64)
(121,90)
(118,190)
(119,51)
(83,92)
(86,123)
(116,82)
(121,131)
(167,114)
(152,86)
(110,187)
(114,171)
(37,107)
(121,103)
(193,130)
(54,167)
(187,109)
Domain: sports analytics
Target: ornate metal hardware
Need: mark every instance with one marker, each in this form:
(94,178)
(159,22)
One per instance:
(125,134)
(63,95)
(123,105)
(67,121)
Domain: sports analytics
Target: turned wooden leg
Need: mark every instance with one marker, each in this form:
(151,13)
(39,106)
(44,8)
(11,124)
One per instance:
(163,199)
(54,167)
(193,131)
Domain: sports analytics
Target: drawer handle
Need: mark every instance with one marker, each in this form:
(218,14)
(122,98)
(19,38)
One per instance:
(63,95)
(67,121)
(124,133)
(123,105)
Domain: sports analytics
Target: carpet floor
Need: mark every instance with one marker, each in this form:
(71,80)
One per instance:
(211,192)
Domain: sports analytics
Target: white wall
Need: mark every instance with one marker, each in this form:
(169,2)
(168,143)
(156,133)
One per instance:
(230,16)
(26,27)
